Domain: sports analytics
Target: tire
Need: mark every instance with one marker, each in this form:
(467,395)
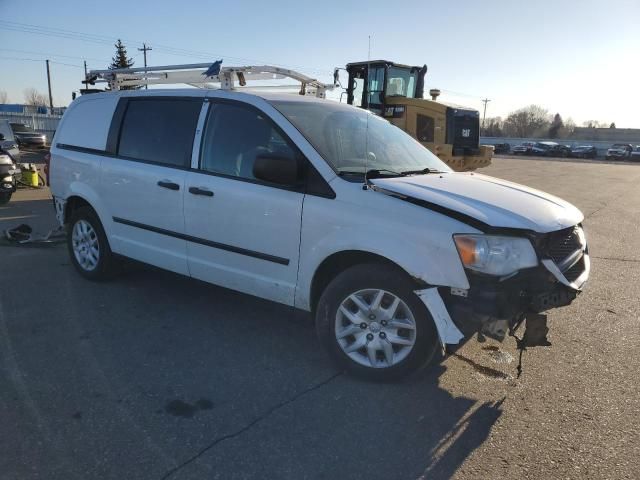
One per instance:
(365,282)
(85,236)
(5,197)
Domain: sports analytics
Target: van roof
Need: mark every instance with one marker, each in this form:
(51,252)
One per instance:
(199,92)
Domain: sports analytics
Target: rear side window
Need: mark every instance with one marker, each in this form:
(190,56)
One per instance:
(86,122)
(159,130)
(234,136)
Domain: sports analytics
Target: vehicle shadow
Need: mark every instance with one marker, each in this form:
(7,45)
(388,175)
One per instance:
(156,374)
(398,430)
(466,436)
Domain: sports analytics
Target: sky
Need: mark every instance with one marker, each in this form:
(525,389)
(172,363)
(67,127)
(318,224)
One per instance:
(579,58)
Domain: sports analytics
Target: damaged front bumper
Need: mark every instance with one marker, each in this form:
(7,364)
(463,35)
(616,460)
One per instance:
(494,306)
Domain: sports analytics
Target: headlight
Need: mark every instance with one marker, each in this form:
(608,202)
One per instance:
(495,255)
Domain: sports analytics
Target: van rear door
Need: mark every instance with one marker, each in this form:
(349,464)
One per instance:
(143,184)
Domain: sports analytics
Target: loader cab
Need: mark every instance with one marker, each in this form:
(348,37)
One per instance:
(372,83)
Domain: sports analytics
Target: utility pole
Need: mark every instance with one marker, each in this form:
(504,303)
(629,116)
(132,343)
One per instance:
(484,114)
(145,49)
(49,82)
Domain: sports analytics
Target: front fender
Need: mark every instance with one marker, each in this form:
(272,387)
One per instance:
(423,246)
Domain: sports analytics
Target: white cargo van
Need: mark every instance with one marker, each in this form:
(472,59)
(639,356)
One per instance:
(317,205)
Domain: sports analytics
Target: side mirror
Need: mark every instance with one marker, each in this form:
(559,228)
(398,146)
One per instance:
(275,169)
(1,137)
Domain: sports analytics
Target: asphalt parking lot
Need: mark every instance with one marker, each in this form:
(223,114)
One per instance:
(155,376)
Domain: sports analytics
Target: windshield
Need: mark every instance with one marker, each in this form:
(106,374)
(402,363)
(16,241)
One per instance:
(21,128)
(401,83)
(5,130)
(340,134)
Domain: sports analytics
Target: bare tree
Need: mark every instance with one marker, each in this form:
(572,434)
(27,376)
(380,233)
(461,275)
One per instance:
(493,127)
(567,129)
(594,124)
(34,97)
(4,98)
(528,122)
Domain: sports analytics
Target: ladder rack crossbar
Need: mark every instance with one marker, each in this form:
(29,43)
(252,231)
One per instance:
(194,74)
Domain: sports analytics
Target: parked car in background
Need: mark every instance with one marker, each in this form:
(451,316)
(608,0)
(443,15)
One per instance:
(584,151)
(635,155)
(27,136)
(550,149)
(540,148)
(559,150)
(619,151)
(8,142)
(501,148)
(523,149)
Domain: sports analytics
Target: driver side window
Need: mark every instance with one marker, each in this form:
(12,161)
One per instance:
(234,136)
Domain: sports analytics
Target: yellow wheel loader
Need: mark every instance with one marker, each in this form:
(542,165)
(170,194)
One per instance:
(395,91)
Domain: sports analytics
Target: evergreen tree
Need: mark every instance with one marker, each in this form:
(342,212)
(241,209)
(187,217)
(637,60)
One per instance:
(120,60)
(556,126)
(613,125)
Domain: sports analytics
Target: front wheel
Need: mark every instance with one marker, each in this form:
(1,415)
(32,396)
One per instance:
(5,197)
(374,325)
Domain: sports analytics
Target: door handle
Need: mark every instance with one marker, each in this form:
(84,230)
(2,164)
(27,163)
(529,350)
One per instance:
(168,184)
(201,191)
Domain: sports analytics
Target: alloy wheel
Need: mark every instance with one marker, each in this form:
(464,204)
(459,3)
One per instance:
(85,245)
(375,328)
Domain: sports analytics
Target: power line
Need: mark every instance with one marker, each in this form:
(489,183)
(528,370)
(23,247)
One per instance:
(40,60)
(452,92)
(101,39)
(22,59)
(52,54)
(66,64)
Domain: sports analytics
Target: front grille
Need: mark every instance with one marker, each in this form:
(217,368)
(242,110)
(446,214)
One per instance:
(563,244)
(574,272)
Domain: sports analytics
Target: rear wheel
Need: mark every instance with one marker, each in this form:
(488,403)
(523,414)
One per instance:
(5,197)
(88,246)
(374,325)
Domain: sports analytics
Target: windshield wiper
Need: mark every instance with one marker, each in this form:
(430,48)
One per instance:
(383,172)
(420,172)
(373,173)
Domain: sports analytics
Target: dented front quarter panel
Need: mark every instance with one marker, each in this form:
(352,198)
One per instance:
(416,239)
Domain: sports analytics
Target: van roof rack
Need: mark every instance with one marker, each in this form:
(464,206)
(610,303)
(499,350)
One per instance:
(207,75)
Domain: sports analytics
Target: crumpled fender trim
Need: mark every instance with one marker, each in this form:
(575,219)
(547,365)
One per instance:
(60,204)
(447,330)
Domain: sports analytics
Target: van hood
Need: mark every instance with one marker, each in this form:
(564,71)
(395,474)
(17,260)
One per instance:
(492,201)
